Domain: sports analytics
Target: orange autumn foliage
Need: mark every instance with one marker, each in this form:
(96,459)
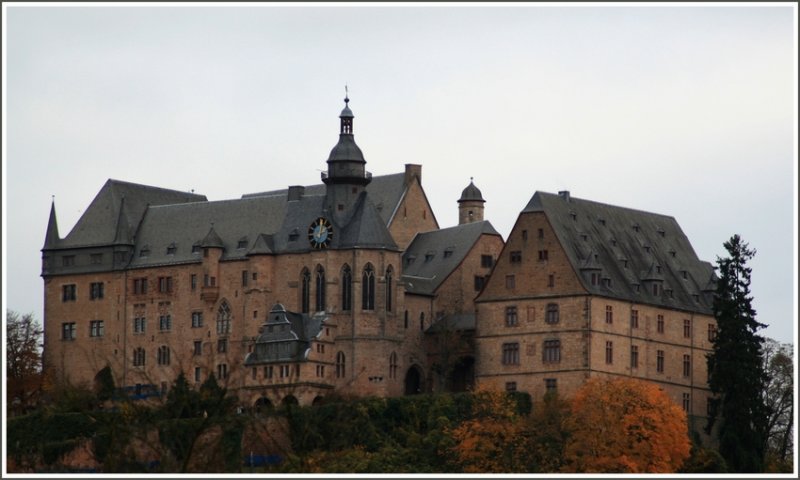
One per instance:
(489,442)
(625,426)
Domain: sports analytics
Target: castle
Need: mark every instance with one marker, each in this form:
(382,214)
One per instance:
(351,287)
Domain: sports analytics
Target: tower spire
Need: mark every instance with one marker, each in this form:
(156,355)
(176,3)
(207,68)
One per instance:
(52,238)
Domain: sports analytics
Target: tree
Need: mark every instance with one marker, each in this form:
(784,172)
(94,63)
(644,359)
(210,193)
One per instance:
(736,367)
(625,426)
(779,400)
(489,442)
(547,434)
(23,359)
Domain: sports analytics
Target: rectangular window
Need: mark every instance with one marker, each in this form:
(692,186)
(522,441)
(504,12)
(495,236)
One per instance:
(198,348)
(687,366)
(609,352)
(687,328)
(479,282)
(634,356)
(510,282)
(96,328)
(222,371)
(541,233)
(511,386)
(139,325)
(487,261)
(660,361)
(165,323)
(551,315)
(96,258)
(595,278)
(686,402)
(139,286)
(96,291)
(165,284)
(542,255)
(609,314)
(516,256)
(712,332)
(634,318)
(660,323)
(197,319)
(524,235)
(197,374)
(68,293)
(511,316)
(268,371)
(68,331)
(255,373)
(550,385)
(551,280)
(245,278)
(551,353)
(284,371)
(68,261)
(194,282)
(222,345)
(511,354)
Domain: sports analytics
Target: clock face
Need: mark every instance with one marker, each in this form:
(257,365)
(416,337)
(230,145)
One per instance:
(320,233)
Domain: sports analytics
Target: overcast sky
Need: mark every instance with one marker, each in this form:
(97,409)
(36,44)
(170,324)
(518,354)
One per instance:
(683,111)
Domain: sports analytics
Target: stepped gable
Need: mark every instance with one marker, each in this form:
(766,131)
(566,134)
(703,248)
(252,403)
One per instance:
(631,249)
(433,256)
(98,224)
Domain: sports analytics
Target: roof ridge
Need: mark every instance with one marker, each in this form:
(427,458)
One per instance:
(637,210)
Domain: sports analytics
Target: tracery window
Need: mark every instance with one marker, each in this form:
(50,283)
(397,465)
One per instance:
(224,318)
(347,288)
(320,284)
(305,290)
(368,288)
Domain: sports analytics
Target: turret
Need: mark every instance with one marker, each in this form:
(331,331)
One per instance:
(470,205)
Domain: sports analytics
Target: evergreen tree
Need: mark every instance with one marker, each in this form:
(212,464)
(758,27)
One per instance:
(736,369)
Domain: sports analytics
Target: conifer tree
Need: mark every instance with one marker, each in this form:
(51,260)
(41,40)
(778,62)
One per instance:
(736,371)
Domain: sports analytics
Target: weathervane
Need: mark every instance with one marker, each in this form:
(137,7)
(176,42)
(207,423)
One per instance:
(346,99)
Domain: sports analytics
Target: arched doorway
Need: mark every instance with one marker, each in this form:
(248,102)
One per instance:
(413,381)
(462,378)
(318,400)
(263,405)
(289,400)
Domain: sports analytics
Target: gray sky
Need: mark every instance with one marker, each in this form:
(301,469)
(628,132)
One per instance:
(684,111)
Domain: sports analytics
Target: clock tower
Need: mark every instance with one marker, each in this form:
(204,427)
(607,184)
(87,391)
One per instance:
(346,176)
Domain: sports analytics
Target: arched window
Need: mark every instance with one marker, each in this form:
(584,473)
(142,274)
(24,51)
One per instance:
(320,281)
(138,357)
(305,290)
(163,355)
(389,291)
(224,318)
(393,365)
(347,288)
(340,365)
(368,288)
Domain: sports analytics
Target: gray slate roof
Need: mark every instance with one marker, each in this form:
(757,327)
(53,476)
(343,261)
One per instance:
(385,192)
(426,261)
(97,225)
(629,248)
(285,337)
(453,323)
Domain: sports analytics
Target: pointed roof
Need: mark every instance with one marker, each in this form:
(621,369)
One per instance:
(52,239)
(433,256)
(124,235)
(630,246)
(212,239)
(365,228)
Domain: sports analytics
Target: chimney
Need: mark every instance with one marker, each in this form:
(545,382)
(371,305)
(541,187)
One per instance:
(413,170)
(296,192)
(564,194)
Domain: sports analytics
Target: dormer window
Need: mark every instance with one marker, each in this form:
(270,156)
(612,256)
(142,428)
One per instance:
(661,232)
(613,242)
(584,237)
(242,244)
(429,256)
(635,227)
(672,253)
(658,268)
(294,235)
(647,248)
(607,282)
(171,249)
(144,252)
(668,291)
(573,215)
(196,248)
(602,221)
(410,259)
(685,274)
(448,251)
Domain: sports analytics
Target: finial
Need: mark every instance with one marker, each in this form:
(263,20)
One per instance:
(346,99)
(470,179)
(53,198)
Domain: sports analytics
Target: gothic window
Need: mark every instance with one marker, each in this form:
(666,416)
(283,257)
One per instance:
(347,288)
(305,290)
(389,291)
(368,288)
(224,318)
(320,284)
(340,365)
(393,365)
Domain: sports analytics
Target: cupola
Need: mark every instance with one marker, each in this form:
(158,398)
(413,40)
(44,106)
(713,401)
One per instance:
(470,205)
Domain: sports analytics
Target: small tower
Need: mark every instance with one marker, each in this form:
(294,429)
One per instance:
(470,205)
(346,176)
